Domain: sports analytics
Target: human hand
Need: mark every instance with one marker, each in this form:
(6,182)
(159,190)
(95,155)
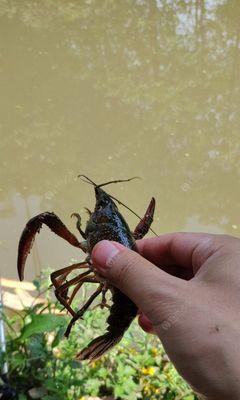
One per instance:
(188,287)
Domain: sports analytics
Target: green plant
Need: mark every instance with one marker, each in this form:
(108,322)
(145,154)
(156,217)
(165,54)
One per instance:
(42,365)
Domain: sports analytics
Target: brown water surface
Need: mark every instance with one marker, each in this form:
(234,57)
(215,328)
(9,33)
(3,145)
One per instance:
(115,89)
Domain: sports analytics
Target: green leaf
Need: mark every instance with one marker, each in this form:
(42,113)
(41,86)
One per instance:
(75,364)
(50,384)
(18,360)
(37,284)
(58,336)
(37,346)
(42,323)
(22,397)
(119,391)
(93,386)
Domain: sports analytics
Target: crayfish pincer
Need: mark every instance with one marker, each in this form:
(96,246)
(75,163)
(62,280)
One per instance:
(105,222)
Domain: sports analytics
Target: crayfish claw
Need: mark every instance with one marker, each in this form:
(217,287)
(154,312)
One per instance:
(33,226)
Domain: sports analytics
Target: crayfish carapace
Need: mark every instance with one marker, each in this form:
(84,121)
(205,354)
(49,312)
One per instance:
(105,222)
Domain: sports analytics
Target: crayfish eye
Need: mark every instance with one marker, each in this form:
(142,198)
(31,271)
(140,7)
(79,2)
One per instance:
(102,205)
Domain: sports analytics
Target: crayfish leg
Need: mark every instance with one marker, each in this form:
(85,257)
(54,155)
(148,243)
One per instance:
(144,225)
(78,225)
(103,303)
(61,289)
(80,313)
(58,277)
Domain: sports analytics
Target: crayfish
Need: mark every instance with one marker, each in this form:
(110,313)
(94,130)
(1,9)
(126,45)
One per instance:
(105,222)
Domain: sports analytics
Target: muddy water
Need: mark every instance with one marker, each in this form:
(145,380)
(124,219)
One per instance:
(115,89)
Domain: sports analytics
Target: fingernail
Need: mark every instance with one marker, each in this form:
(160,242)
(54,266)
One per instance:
(104,252)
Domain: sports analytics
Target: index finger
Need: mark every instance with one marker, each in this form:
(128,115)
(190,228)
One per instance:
(182,249)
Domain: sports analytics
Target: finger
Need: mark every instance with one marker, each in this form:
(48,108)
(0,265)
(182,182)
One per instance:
(145,323)
(178,271)
(147,285)
(181,249)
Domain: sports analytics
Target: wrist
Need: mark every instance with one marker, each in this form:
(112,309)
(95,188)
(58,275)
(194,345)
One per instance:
(206,353)
(219,378)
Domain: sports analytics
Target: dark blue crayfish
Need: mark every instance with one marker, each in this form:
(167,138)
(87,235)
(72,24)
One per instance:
(105,222)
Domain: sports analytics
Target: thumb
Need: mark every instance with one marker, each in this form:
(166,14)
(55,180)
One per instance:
(154,291)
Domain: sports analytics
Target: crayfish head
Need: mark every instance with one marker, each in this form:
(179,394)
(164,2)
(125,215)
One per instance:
(103,200)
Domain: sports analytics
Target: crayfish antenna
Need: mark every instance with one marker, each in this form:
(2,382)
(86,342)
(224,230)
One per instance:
(118,181)
(87,180)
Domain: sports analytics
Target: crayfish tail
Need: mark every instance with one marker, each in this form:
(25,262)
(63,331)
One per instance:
(98,347)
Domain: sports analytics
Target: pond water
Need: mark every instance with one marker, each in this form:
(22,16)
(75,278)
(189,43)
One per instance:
(115,89)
